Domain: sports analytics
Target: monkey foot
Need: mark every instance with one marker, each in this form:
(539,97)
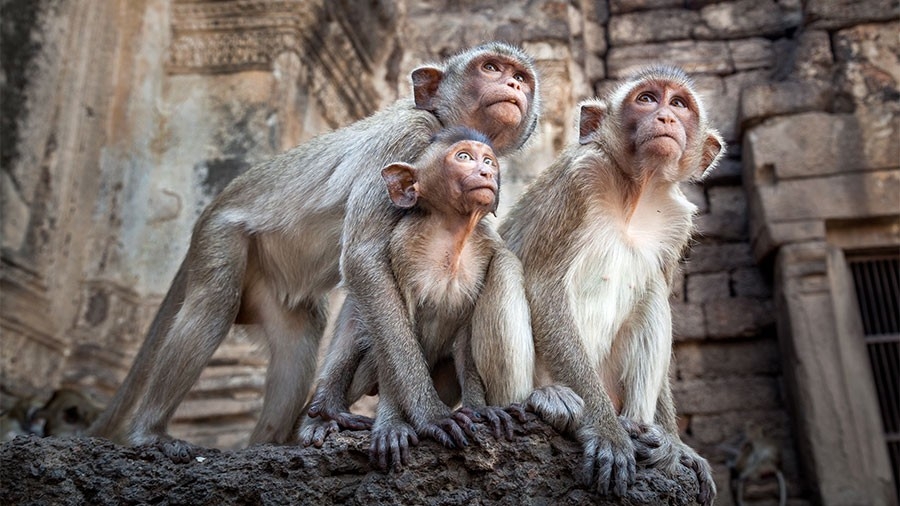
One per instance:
(314,431)
(498,418)
(690,459)
(177,450)
(390,445)
(557,405)
(609,463)
(450,431)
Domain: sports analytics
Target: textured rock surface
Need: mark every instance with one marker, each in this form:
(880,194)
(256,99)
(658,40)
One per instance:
(536,468)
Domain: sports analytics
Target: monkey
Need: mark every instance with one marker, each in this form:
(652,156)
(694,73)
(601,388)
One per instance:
(264,253)
(600,233)
(755,457)
(17,417)
(452,270)
(69,412)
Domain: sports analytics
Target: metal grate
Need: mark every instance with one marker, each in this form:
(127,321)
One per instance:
(877,282)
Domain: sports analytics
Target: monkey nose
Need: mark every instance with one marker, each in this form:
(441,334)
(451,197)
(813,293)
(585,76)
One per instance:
(666,118)
(512,83)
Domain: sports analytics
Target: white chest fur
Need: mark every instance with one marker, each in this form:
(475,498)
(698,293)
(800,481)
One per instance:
(620,263)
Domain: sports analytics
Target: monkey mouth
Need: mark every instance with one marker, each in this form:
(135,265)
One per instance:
(492,188)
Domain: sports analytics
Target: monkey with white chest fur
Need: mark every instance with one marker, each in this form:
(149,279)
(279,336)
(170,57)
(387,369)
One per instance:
(452,271)
(600,234)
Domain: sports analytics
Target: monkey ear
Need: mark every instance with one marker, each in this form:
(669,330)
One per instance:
(713,150)
(592,115)
(426,81)
(402,184)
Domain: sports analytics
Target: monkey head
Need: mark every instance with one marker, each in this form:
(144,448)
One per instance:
(457,175)
(654,125)
(492,88)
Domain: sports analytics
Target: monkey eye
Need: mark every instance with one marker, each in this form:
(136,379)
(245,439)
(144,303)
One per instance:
(519,77)
(491,67)
(679,102)
(646,97)
(464,156)
(489,161)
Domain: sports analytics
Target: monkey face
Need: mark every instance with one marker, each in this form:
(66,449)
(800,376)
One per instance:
(470,172)
(500,91)
(662,121)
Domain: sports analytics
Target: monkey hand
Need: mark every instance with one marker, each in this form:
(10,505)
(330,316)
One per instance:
(657,448)
(390,444)
(692,460)
(450,431)
(314,431)
(609,464)
(320,407)
(498,418)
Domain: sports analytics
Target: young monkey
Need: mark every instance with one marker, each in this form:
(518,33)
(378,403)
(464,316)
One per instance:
(463,293)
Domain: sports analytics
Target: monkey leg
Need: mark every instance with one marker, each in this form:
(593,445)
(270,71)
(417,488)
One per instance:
(347,374)
(214,270)
(293,336)
(501,343)
(111,422)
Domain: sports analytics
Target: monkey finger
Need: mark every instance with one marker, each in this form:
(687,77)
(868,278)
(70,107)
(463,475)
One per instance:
(462,421)
(471,413)
(458,435)
(521,413)
(397,459)
(437,433)
(377,453)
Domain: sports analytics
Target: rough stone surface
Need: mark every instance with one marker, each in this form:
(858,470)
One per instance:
(537,467)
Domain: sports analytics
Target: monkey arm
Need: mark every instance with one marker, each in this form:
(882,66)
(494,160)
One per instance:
(368,278)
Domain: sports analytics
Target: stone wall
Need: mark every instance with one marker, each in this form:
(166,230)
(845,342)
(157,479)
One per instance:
(123,119)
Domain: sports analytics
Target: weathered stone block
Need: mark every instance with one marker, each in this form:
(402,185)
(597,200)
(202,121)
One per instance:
(816,144)
(726,226)
(703,287)
(869,67)
(718,257)
(707,396)
(693,56)
(688,321)
(728,172)
(828,14)
(752,53)
(621,6)
(749,282)
(855,195)
(725,359)
(652,26)
(714,429)
(764,100)
(813,59)
(738,316)
(743,18)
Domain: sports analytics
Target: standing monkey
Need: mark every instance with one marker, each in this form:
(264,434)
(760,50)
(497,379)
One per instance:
(600,234)
(452,269)
(263,252)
